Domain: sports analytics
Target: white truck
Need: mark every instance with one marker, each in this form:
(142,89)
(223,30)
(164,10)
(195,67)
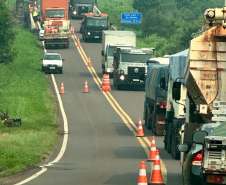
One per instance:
(130,66)
(110,40)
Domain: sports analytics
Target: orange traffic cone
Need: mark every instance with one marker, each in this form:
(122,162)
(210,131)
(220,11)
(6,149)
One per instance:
(86,89)
(62,88)
(152,150)
(140,129)
(78,42)
(142,179)
(89,62)
(156,177)
(72,30)
(106,83)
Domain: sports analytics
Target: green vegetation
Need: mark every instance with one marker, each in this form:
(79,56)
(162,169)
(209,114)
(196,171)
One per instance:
(7,34)
(24,93)
(166,25)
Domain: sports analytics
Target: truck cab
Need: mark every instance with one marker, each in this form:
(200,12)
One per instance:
(78,8)
(130,68)
(92,26)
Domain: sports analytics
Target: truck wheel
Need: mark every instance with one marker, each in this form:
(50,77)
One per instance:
(174,153)
(148,119)
(169,138)
(154,122)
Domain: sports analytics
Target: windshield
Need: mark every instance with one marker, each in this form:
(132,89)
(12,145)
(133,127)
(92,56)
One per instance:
(97,22)
(52,57)
(110,51)
(83,1)
(138,58)
(55,13)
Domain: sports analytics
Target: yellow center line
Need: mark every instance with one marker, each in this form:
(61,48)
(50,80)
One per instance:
(124,116)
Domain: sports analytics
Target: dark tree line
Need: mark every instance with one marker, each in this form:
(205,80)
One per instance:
(7,34)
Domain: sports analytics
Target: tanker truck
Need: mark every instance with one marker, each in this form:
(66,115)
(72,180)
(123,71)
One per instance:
(205,81)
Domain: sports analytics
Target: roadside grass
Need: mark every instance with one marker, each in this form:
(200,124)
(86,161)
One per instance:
(24,92)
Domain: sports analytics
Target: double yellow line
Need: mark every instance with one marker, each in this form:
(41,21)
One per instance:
(144,141)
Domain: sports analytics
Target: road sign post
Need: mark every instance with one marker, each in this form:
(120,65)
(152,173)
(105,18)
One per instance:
(131,17)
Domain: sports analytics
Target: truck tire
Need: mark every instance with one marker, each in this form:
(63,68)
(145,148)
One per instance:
(169,137)
(148,118)
(174,153)
(154,122)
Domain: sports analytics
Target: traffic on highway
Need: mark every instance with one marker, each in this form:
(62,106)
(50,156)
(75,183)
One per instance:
(126,115)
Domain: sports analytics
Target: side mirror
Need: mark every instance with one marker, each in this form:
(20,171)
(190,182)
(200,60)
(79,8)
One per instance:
(41,59)
(110,24)
(102,52)
(199,137)
(162,83)
(176,90)
(182,147)
(63,59)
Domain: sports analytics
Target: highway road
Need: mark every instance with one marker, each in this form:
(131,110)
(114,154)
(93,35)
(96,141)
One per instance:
(102,146)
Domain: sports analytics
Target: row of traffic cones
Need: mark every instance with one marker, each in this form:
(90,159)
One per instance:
(86,89)
(156,178)
(105,86)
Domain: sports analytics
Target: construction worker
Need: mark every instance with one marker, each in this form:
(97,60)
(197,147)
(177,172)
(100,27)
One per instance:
(35,15)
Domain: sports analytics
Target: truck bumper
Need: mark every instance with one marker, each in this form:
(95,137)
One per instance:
(51,69)
(126,80)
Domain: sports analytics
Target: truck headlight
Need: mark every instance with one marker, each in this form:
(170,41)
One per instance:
(108,70)
(88,33)
(122,77)
(74,12)
(121,72)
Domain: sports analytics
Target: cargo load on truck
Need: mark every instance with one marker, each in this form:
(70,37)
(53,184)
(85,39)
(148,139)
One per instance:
(155,97)
(57,33)
(78,8)
(175,112)
(110,40)
(130,68)
(53,10)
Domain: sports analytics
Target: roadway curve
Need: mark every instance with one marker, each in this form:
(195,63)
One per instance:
(102,147)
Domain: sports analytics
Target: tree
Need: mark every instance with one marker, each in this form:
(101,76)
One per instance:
(144,5)
(7,34)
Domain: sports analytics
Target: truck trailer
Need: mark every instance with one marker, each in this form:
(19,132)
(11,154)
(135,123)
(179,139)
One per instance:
(155,98)
(205,74)
(175,111)
(53,10)
(57,33)
(78,8)
(110,40)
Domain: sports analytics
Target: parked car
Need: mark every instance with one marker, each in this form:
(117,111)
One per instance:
(52,62)
(193,159)
(41,34)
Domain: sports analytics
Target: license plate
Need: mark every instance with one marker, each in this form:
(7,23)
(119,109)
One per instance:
(136,80)
(96,36)
(51,67)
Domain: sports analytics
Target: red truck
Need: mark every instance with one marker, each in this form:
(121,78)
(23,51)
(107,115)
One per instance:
(54,10)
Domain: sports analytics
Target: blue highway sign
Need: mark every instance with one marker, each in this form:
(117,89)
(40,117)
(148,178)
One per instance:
(131,18)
